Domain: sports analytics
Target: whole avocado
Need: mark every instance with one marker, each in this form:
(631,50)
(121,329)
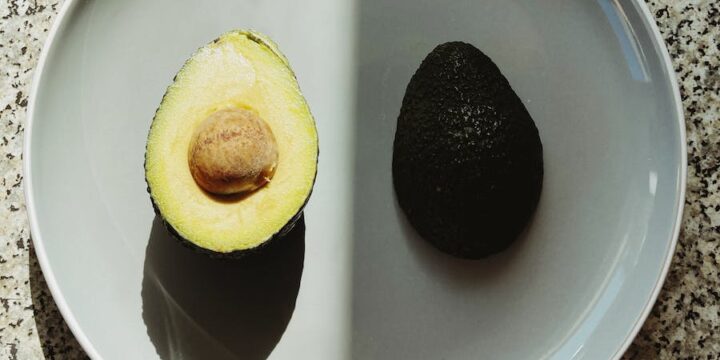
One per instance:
(467,157)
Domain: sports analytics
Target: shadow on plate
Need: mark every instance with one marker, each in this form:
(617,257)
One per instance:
(410,300)
(389,54)
(196,307)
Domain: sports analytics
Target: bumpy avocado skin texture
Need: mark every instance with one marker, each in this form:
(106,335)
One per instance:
(467,158)
(297,220)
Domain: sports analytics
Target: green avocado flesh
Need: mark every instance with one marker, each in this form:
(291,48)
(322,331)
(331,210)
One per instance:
(467,157)
(239,70)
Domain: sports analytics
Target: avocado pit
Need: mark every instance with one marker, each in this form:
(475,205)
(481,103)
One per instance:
(232,151)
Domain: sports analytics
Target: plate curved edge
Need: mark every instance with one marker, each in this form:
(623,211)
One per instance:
(659,42)
(38,244)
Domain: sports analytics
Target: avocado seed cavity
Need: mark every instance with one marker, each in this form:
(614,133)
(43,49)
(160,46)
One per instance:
(232,151)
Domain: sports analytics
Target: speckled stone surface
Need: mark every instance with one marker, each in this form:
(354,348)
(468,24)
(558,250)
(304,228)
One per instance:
(30,325)
(684,324)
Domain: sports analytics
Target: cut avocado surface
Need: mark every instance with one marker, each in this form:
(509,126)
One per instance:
(232,151)
(467,158)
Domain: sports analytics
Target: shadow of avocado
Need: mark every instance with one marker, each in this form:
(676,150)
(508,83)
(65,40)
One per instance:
(401,284)
(384,71)
(196,307)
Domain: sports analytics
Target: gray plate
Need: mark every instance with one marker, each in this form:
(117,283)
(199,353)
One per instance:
(593,74)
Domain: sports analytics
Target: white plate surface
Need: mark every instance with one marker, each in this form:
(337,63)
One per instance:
(593,74)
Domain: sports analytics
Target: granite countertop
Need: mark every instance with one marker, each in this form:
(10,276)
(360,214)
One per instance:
(684,324)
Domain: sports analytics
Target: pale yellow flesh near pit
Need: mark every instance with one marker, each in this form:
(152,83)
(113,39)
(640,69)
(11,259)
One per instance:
(240,69)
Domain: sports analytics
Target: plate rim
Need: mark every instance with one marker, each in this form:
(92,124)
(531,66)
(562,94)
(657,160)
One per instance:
(659,42)
(38,244)
(86,344)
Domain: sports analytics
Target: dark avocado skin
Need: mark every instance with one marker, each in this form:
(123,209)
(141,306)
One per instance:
(467,157)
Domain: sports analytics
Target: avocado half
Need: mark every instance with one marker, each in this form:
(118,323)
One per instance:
(239,72)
